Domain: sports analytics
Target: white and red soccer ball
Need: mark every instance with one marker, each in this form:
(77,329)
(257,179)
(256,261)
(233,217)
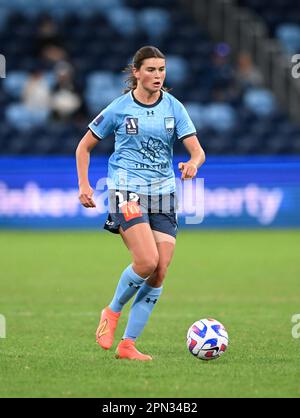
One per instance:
(207,339)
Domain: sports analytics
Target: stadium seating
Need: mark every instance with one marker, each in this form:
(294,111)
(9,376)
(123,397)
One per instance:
(124,21)
(219,116)
(275,12)
(13,84)
(155,22)
(261,102)
(100,40)
(289,35)
(23,118)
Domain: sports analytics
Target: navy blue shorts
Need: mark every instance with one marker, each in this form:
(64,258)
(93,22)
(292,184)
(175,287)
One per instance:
(129,208)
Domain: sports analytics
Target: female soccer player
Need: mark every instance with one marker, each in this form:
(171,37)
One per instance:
(146,120)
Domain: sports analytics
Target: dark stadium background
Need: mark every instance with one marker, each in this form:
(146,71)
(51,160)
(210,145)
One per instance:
(234,64)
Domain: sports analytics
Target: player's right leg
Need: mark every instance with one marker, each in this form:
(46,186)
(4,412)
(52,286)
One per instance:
(140,242)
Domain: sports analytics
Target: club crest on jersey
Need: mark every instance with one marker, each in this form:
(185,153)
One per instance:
(151,149)
(132,126)
(170,124)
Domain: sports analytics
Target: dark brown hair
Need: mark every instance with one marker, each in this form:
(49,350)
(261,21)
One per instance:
(138,59)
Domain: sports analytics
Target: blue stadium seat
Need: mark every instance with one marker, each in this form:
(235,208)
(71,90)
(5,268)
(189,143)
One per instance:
(102,88)
(99,80)
(155,22)
(123,20)
(289,36)
(260,101)
(22,118)
(220,116)
(196,113)
(14,83)
(177,69)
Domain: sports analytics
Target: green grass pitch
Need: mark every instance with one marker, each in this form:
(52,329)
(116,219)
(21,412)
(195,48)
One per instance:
(54,284)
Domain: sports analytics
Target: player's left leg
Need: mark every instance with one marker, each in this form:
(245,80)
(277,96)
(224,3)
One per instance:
(147,297)
(165,245)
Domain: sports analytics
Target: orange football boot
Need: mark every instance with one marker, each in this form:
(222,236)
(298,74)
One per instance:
(126,350)
(106,328)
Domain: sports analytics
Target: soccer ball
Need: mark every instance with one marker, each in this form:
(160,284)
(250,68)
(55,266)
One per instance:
(207,339)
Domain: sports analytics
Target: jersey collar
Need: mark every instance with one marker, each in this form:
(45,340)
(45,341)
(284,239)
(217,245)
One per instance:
(146,105)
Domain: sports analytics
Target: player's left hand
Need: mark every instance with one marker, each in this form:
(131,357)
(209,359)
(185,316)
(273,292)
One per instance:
(188,170)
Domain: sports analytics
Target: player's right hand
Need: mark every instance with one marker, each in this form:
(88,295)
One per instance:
(86,196)
(188,170)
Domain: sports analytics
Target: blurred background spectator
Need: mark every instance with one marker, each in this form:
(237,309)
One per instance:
(66,101)
(248,74)
(49,43)
(36,92)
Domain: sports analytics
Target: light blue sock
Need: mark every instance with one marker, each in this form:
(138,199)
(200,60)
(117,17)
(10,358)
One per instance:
(128,285)
(141,310)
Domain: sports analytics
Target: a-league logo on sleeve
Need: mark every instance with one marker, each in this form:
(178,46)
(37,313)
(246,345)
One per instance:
(132,126)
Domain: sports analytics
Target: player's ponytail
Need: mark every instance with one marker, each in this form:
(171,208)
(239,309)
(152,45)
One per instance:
(131,81)
(138,59)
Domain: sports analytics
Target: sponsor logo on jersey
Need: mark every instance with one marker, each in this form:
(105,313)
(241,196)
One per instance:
(131,210)
(170,124)
(132,126)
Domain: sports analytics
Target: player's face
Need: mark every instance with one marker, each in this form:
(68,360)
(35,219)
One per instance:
(152,74)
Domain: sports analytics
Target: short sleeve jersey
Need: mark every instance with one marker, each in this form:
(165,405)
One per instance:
(144,138)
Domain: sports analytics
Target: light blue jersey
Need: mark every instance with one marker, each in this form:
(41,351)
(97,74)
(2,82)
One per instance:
(144,138)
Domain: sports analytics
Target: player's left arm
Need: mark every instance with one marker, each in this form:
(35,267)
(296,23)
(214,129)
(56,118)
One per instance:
(189,169)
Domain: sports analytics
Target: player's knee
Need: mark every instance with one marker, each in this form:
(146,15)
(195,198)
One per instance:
(160,275)
(148,264)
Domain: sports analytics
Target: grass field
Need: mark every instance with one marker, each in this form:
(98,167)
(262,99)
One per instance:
(54,284)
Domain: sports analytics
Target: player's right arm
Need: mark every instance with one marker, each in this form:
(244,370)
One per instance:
(102,126)
(85,146)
